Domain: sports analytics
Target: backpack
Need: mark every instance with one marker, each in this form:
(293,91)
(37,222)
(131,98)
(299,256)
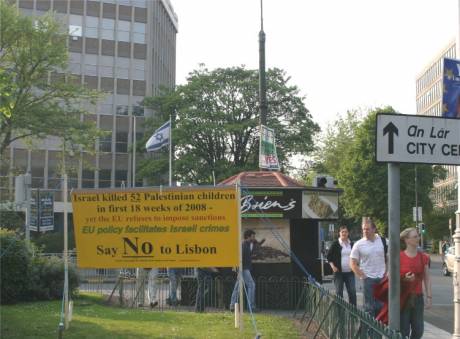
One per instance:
(385,247)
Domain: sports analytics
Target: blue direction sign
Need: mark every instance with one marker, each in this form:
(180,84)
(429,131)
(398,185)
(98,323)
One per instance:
(417,139)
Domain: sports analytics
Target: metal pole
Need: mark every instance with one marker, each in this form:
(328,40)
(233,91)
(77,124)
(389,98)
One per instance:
(28,187)
(133,184)
(262,77)
(170,151)
(394,248)
(66,259)
(456,236)
(416,209)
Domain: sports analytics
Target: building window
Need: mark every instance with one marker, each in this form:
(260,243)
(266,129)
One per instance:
(105,143)
(87,180)
(122,142)
(138,111)
(122,110)
(120,177)
(105,178)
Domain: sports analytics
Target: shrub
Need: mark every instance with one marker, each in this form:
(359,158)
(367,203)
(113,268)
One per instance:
(15,267)
(48,279)
(25,277)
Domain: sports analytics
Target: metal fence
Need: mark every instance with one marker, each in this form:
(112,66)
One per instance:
(129,288)
(333,317)
(317,310)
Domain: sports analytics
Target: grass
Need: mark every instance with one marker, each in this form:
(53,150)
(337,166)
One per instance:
(93,319)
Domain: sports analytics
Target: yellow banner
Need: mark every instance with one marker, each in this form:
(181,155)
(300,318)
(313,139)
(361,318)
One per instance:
(148,227)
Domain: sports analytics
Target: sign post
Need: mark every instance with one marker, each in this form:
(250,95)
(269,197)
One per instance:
(394,248)
(410,139)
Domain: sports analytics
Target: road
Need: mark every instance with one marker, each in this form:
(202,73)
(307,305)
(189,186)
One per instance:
(442,313)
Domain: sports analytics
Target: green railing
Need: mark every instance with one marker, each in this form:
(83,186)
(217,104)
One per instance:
(328,315)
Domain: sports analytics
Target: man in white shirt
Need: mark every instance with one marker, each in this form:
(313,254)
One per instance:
(367,261)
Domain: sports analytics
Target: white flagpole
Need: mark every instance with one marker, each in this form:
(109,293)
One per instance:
(170,152)
(133,184)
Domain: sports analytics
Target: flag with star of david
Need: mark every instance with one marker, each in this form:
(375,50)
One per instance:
(160,138)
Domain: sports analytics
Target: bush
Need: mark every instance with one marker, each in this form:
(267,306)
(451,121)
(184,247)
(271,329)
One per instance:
(25,277)
(48,279)
(15,267)
(53,242)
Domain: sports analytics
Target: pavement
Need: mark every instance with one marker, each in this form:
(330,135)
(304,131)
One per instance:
(432,332)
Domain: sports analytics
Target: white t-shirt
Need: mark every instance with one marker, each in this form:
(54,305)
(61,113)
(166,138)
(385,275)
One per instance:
(346,250)
(370,256)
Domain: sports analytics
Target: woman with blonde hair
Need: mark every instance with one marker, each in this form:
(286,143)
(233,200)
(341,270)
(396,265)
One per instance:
(414,273)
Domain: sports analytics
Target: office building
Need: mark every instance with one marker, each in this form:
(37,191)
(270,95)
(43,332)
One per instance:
(429,102)
(125,48)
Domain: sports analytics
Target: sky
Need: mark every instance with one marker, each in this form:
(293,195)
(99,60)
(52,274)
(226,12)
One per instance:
(342,55)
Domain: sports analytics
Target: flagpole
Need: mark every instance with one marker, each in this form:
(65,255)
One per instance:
(170,152)
(133,184)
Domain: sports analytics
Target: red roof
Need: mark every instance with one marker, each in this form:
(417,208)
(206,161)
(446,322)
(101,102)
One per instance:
(262,179)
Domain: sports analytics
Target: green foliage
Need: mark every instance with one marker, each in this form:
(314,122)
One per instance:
(16,265)
(31,105)
(437,224)
(12,220)
(53,242)
(48,279)
(216,120)
(26,276)
(365,182)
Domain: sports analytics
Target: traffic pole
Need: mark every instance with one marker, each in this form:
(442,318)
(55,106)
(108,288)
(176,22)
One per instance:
(393,232)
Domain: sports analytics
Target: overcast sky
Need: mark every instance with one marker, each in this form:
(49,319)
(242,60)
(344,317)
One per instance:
(341,54)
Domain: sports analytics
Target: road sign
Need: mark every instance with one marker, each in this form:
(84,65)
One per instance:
(42,211)
(417,216)
(417,139)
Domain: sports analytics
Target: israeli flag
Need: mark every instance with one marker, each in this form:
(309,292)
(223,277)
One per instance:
(160,138)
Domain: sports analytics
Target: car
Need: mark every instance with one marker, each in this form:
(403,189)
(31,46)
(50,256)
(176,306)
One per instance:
(448,261)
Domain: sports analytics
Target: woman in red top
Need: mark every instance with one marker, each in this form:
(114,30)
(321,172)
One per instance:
(414,272)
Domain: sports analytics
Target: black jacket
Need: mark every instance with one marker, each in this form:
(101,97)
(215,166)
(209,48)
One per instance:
(334,254)
(247,253)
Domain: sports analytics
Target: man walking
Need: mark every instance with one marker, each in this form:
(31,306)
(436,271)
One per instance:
(367,261)
(248,242)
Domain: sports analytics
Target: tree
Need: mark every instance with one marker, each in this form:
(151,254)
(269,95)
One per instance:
(37,99)
(216,120)
(364,181)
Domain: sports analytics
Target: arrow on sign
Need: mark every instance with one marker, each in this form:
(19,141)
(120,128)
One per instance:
(391,130)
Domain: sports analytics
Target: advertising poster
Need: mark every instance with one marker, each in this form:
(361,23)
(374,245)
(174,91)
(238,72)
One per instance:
(147,227)
(267,151)
(324,205)
(269,249)
(451,88)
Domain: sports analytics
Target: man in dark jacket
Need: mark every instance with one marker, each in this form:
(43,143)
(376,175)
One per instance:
(339,259)
(248,243)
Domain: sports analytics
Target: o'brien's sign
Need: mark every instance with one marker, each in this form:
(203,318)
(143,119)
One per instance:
(290,204)
(179,227)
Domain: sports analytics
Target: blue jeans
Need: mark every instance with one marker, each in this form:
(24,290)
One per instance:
(347,278)
(203,283)
(174,275)
(412,319)
(371,305)
(250,289)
